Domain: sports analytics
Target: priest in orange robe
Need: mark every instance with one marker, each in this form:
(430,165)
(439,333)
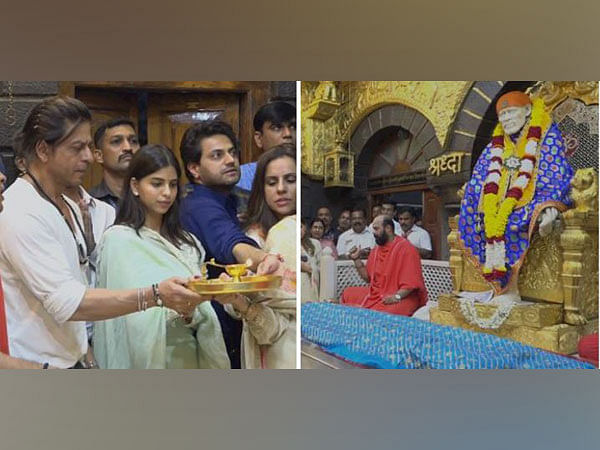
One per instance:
(393,271)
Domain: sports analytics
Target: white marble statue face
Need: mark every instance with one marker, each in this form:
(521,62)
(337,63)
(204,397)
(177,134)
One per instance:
(514,118)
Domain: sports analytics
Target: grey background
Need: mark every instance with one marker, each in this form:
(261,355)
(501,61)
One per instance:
(300,410)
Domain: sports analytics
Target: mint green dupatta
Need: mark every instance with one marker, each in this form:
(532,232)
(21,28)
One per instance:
(156,338)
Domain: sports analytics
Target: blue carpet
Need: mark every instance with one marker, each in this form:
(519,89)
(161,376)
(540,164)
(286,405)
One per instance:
(388,341)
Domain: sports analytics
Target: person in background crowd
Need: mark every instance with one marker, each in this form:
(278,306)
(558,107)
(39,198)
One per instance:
(358,237)
(95,216)
(317,228)
(343,223)
(115,142)
(416,235)
(324,213)
(375,211)
(388,208)
(274,124)
(309,265)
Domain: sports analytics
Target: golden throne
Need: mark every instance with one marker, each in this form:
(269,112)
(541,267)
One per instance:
(560,273)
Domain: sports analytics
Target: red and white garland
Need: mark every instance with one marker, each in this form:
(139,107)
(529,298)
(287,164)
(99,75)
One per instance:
(497,211)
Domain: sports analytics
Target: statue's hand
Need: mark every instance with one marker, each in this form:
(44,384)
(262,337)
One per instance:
(547,219)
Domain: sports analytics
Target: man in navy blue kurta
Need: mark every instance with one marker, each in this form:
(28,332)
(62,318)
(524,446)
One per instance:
(211,216)
(210,155)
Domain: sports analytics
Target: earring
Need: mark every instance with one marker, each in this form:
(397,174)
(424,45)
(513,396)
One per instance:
(135,193)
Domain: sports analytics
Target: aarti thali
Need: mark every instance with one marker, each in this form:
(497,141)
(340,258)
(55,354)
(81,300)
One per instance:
(241,281)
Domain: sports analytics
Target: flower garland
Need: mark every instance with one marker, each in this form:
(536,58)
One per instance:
(497,211)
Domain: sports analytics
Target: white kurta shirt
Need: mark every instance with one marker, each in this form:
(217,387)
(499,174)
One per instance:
(350,238)
(102,216)
(43,280)
(418,237)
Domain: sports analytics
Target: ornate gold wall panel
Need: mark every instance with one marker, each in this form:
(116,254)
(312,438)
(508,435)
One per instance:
(554,92)
(438,101)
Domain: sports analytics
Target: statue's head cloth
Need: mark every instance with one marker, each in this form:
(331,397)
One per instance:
(512,99)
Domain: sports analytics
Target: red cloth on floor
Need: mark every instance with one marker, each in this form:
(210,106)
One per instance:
(391,267)
(3,331)
(588,347)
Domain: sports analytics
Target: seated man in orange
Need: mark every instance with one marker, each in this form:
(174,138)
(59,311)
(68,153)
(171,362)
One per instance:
(393,271)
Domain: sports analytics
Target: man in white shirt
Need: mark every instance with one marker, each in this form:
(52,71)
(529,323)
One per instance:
(42,249)
(416,235)
(96,216)
(388,209)
(6,361)
(357,237)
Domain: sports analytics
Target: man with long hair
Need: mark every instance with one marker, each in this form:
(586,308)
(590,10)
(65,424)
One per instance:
(43,253)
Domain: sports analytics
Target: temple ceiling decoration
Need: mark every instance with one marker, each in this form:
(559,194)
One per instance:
(334,109)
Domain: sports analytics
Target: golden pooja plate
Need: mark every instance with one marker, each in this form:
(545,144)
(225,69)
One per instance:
(254,283)
(238,284)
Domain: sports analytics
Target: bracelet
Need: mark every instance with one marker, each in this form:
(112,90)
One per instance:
(156,295)
(144,300)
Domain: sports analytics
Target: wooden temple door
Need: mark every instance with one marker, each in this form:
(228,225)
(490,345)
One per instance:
(432,221)
(396,173)
(164,110)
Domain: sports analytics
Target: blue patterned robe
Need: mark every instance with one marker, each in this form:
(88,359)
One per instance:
(552,177)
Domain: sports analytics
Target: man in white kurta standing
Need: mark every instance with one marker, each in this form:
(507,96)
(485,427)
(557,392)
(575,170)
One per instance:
(43,249)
